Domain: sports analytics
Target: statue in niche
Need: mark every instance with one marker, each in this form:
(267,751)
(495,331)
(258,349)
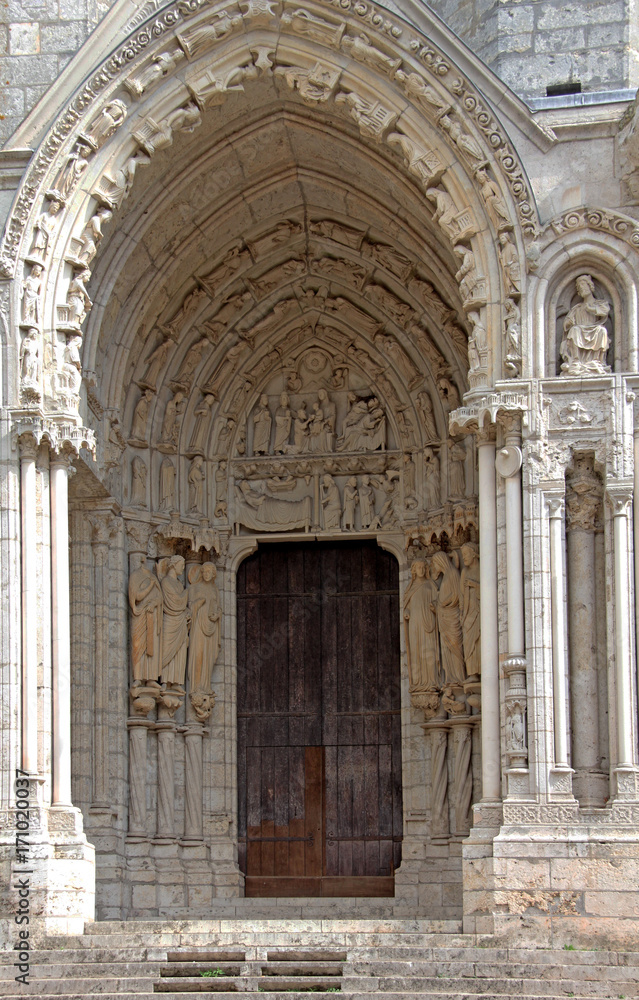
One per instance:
(31,287)
(283,421)
(331,504)
(156,361)
(175,622)
(448,619)
(167,485)
(367,502)
(364,427)
(204,637)
(91,236)
(262,428)
(258,510)
(146,602)
(351,500)
(585,342)
(425,404)
(196,479)
(420,629)
(432,491)
(203,417)
(469,608)
(45,227)
(138,482)
(78,300)
(30,359)
(456,472)
(140,417)
(221,489)
(170,431)
(510,264)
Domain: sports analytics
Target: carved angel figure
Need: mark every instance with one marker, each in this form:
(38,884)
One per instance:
(420,630)
(585,342)
(175,622)
(146,602)
(204,638)
(262,428)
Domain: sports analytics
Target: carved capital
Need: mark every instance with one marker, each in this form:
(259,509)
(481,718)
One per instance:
(138,534)
(582,511)
(556,505)
(103,527)
(619,498)
(511,422)
(485,435)
(28,446)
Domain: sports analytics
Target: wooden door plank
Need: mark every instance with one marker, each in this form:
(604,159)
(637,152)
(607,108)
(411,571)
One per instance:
(296,824)
(314,809)
(267,829)
(281,810)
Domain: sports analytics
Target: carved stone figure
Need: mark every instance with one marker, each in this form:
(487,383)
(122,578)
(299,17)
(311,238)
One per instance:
(303,23)
(315,85)
(372,117)
(462,140)
(420,627)
(30,359)
(400,359)
(31,287)
(153,135)
(262,428)
(138,482)
(91,236)
(140,417)
(445,211)
(156,361)
(167,485)
(331,504)
(449,393)
(367,502)
(409,476)
(494,201)
(466,275)
(425,404)
(117,188)
(146,602)
(106,123)
(512,315)
(202,421)
(193,357)
(585,341)
(161,65)
(204,637)
(170,431)
(361,50)
(175,622)
(45,228)
(469,608)
(477,343)
(224,370)
(448,619)
(432,497)
(510,264)
(197,39)
(364,427)
(78,300)
(259,511)
(196,479)
(416,87)
(329,411)
(456,472)
(283,421)
(72,171)
(422,162)
(351,500)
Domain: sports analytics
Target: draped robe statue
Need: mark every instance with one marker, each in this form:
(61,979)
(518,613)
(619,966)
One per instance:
(469,606)
(204,638)
(420,627)
(175,621)
(448,619)
(146,601)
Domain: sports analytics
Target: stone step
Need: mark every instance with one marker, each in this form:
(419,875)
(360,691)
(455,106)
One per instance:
(348,994)
(249,905)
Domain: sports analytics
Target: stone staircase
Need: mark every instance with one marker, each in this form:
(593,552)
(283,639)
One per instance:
(390,958)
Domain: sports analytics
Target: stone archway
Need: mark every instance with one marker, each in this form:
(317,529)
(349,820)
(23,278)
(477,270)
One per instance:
(246,206)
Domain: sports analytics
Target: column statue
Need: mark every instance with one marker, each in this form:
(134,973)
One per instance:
(204,639)
(420,629)
(146,601)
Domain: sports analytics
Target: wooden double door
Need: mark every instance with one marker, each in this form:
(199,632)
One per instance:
(319,735)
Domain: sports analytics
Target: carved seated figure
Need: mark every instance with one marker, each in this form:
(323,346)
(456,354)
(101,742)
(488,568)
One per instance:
(585,343)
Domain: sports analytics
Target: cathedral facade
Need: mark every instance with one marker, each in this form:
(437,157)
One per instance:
(319,454)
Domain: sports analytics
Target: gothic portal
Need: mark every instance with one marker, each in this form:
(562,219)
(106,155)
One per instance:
(318,454)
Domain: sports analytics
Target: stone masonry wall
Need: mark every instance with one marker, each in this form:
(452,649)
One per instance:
(538,43)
